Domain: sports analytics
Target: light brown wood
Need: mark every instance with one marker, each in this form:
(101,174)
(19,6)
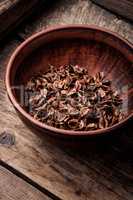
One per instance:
(103,172)
(14,188)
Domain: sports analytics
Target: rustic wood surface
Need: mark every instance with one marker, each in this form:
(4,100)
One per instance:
(122,7)
(102,172)
(12,12)
(14,188)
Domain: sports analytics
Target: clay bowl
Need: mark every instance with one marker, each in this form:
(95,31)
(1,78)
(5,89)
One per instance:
(92,47)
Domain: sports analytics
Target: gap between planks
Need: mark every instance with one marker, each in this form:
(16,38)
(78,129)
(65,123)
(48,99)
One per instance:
(13,187)
(29,181)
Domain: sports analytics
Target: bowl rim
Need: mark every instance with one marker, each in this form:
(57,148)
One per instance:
(27,115)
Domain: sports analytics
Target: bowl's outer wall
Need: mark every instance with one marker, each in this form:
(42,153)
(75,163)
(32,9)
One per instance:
(88,47)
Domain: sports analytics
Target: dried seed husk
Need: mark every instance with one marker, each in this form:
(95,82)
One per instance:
(84,111)
(44,92)
(91,126)
(106,82)
(75,124)
(41,114)
(59,116)
(101,93)
(69,98)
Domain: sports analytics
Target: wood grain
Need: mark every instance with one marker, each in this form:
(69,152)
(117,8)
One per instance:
(12,12)
(102,172)
(77,12)
(14,188)
(123,7)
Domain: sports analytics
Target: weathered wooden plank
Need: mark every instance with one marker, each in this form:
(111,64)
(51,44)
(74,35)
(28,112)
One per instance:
(123,7)
(77,12)
(12,12)
(104,172)
(14,188)
(6,4)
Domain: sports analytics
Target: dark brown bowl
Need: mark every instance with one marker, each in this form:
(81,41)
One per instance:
(92,47)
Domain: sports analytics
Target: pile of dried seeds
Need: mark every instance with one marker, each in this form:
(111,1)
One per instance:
(69,98)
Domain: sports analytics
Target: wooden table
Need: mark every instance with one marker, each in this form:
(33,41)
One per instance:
(32,167)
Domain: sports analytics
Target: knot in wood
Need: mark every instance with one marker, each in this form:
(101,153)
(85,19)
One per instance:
(7,139)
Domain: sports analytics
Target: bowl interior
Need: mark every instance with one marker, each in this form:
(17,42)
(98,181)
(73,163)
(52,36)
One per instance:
(90,48)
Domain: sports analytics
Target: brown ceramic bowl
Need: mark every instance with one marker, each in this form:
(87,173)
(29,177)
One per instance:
(96,48)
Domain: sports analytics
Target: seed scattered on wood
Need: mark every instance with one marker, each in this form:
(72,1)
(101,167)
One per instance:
(69,98)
